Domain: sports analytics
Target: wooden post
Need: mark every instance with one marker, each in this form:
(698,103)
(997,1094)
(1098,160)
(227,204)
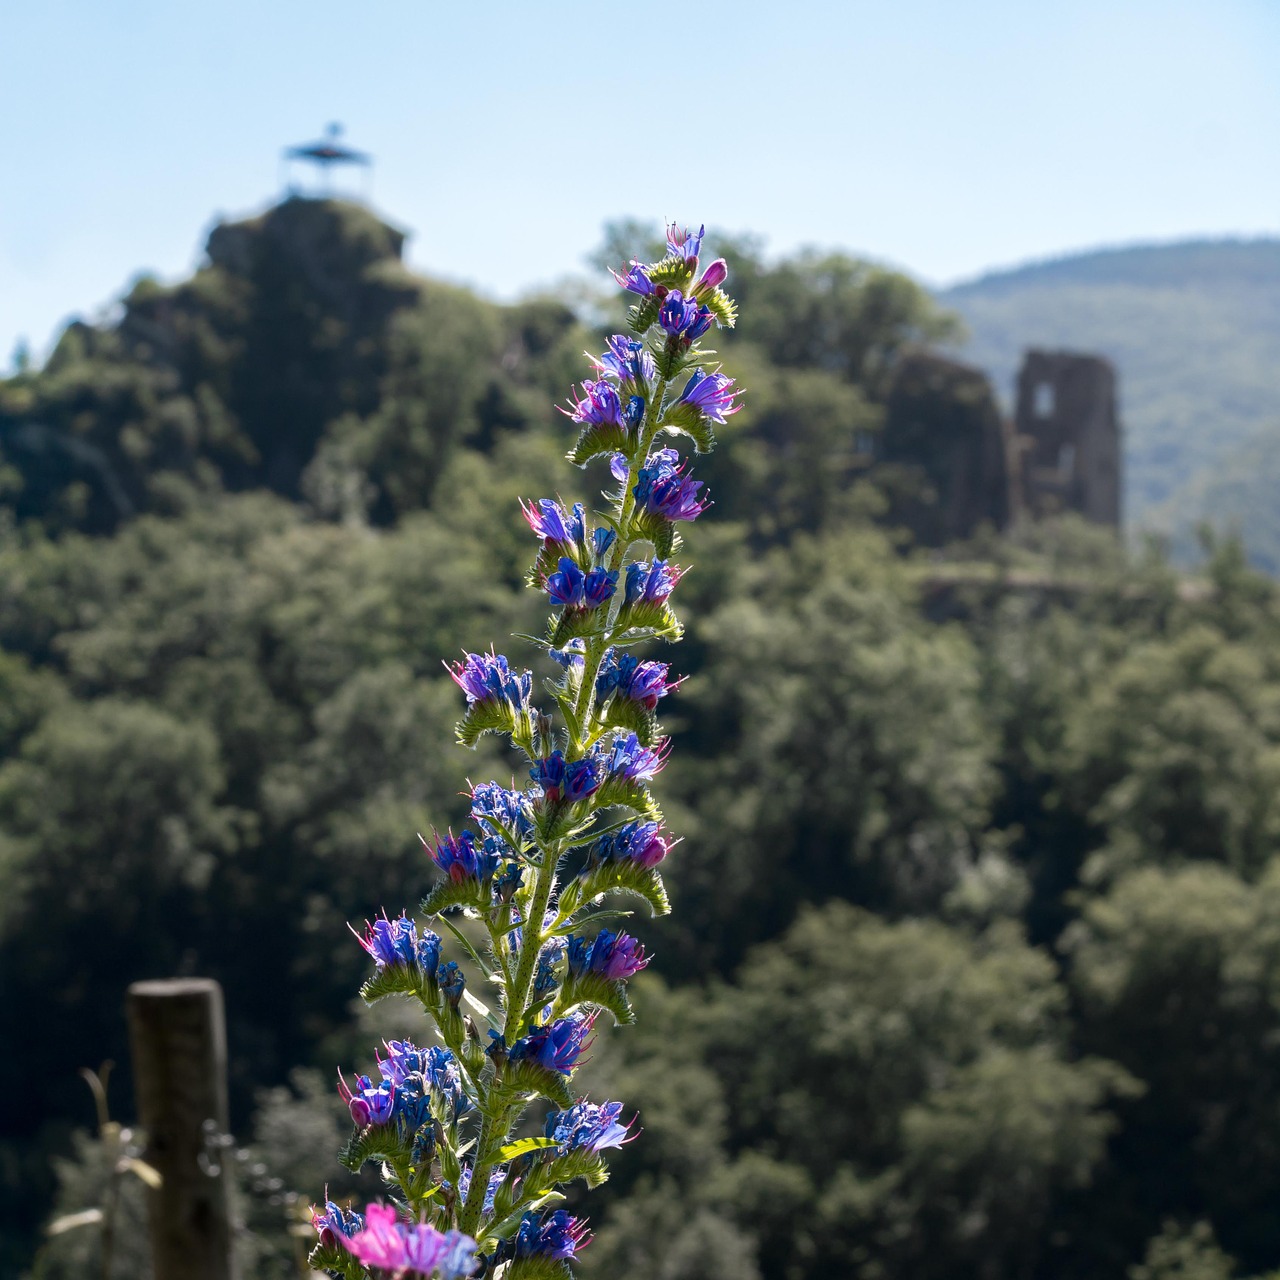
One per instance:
(179,1041)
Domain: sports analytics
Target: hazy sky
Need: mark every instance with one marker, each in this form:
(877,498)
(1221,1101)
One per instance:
(944,137)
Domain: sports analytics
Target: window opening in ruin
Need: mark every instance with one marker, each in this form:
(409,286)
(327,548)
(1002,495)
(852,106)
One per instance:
(1042,402)
(1067,459)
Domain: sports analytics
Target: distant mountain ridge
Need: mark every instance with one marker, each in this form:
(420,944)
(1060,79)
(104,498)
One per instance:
(1194,329)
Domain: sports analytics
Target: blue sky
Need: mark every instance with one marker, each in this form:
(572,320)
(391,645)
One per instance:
(946,138)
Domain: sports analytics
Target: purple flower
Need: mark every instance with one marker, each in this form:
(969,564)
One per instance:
(626,758)
(452,982)
(556,1236)
(566,780)
(544,980)
(566,584)
(394,943)
(487,677)
(557,1045)
(599,404)
(601,540)
(644,843)
(403,1249)
(711,394)
(496,806)
(598,586)
(335,1223)
(368,1103)
(409,1069)
(548,520)
(664,490)
(677,313)
(701,323)
(650,583)
(627,360)
(628,677)
(612,955)
(713,277)
(635,280)
(460,859)
(587,1127)
(496,1177)
(685,244)
(572,656)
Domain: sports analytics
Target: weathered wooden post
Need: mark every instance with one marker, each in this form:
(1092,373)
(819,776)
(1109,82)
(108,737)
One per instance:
(179,1041)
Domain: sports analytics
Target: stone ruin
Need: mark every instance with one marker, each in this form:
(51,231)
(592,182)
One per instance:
(952,462)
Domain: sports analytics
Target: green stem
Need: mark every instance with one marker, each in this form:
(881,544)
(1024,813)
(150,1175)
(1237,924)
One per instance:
(598,645)
(518,989)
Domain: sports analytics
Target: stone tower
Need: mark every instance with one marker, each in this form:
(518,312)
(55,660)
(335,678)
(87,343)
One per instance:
(1069,435)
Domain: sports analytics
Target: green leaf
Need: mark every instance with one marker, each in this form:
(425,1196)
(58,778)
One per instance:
(643,316)
(599,992)
(722,307)
(530,1077)
(523,1147)
(621,876)
(673,271)
(456,893)
(466,945)
(598,439)
(685,419)
(574,622)
(489,716)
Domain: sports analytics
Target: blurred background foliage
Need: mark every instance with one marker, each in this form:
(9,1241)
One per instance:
(974,969)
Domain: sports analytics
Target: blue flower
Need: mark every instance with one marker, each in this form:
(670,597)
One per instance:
(711,394)
(496,806)
(601,540)
(555,1236)
(557,1045)
(627,361)
(368,1103)
(566,584)
(598,586)
(644,843)
(572,656)
(411,1070)
(460,859)
(626,758)
(496,1177)
(452,982)
(548,520)
(663,489)
(699,325)
(650,583)
(677,312)
(544,979)
(395,943)
(333,1222)
(566,780)
(586,1126)
(685,244)
(636,280)
(598,405)
(612,955)
(487,677)
(628,677)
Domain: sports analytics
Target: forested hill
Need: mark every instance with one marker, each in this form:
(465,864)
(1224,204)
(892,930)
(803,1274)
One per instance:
(972,968)
(1194,329)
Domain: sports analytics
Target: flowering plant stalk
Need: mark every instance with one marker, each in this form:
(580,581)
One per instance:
(468,1195)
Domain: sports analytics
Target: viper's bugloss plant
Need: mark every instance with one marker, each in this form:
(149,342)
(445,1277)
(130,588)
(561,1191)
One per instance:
(467,1196)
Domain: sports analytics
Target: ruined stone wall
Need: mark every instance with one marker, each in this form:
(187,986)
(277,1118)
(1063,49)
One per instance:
(1069,435)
